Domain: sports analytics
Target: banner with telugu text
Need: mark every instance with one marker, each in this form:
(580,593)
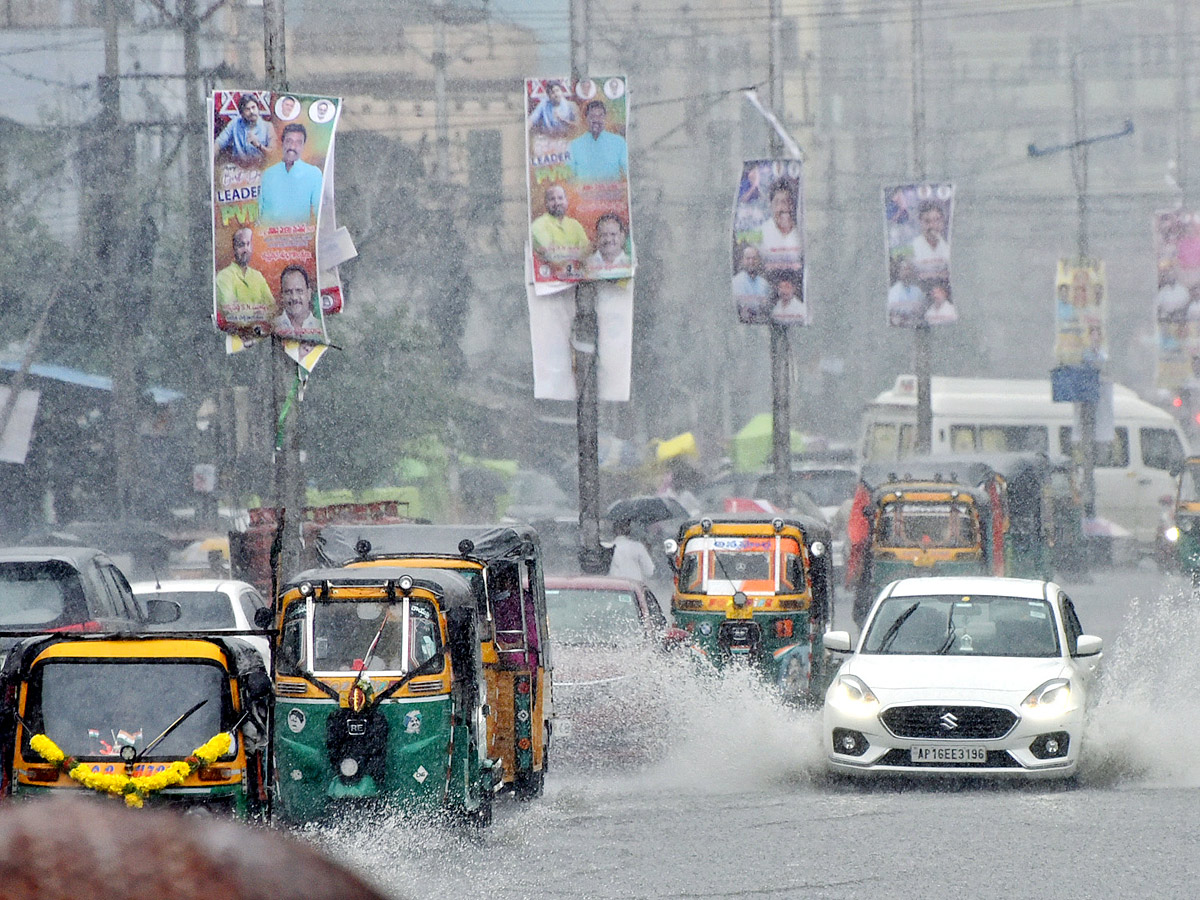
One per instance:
(272,167)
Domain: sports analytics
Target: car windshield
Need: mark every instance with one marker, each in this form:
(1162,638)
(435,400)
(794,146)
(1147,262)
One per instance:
(40,595)
(343,634)
(963,625)
(924,525)
(92,708)
(201,610)
(586,616)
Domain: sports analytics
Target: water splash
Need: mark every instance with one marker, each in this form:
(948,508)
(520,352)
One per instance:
(1142,726)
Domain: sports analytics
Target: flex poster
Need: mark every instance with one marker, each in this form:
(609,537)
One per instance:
(768,243)
(917,222)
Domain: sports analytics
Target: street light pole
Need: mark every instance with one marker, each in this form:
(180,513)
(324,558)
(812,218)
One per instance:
(781,425)
(922,334)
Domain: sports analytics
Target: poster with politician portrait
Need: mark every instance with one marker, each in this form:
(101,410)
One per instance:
(917,221)
(1177,297)
(768,244)
(578,179)
(1081,313)
(271,167)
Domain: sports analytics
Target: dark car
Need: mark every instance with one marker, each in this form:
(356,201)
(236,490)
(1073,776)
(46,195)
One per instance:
(44,589)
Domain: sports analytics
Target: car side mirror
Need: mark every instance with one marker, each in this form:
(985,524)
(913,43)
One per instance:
(1088,645)
(162,612)
(263,618)
(836,641)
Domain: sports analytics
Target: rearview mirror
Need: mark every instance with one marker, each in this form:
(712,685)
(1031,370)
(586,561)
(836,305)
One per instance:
(1088,645)
(263,618)
(836,641)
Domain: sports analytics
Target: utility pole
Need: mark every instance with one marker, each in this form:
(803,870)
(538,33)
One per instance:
(922,334)
(585,340)
(1183,108)
(441,113)
(116,261)
(781,424)
(287,473)
(1079,172)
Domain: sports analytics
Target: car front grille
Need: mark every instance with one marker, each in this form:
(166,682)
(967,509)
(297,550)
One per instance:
(949,722)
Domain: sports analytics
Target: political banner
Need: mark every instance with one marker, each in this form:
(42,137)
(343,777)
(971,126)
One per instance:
(1177,300)
(768,243)
(917,220)
(1081,311)
(578,179)
(272,163)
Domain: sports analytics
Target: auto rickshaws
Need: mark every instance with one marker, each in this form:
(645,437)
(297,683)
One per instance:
(757,589)
(503,566)
(178,721)
(1184,534)
(925,516)
(380,694)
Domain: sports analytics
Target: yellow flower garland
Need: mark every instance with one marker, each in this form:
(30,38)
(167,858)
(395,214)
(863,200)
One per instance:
(134,788)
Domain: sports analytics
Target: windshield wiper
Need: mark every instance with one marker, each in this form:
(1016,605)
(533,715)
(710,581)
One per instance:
(158,740)
(894,628)
(951,631)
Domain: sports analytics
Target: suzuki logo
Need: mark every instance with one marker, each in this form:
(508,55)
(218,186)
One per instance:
(949,721)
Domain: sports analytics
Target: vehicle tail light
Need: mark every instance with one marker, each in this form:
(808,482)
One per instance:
(783,628)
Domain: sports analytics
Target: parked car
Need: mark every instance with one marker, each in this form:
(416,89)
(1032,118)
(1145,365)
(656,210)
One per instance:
(48,589)
(971,675)
(211,606)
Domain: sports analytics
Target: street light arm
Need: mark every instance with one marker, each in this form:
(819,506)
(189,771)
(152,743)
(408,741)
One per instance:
(1035,150)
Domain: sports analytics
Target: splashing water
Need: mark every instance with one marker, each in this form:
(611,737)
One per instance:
(1142,726)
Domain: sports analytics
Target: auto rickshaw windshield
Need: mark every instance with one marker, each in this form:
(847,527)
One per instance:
(946,525)
(719,566)
(93,709)
(373,636)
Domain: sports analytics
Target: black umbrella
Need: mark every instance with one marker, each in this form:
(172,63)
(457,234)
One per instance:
(646,509)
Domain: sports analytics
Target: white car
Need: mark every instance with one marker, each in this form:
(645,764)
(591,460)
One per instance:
(962,676)
(211,605)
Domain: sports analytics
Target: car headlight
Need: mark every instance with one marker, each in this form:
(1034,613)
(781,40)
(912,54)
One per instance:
(850,694)
(1172,534)
(1052,697)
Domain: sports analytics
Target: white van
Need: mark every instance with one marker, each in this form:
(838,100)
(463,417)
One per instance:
(1135,452)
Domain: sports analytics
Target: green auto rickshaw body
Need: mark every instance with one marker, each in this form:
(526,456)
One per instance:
(380,694)
(1185,533)
(504,567)
(756,589)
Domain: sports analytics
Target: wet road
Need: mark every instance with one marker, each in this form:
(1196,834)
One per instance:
(739,806)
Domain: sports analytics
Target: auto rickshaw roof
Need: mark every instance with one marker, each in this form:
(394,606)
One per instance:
(812,528)
(965,471)
(449,587)
(336,543)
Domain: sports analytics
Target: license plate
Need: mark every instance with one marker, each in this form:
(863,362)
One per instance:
(948,755)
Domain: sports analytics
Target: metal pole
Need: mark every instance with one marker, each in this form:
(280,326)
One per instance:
(1183,109)
(922,344)
(781,424)
(1079,171)
(287,473)
(441,112)
(585,339)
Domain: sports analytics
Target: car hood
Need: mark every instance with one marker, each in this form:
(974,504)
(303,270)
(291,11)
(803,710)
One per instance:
(579,666)
(895,678)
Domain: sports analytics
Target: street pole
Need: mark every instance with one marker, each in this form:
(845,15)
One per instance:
(922,334)
(584,341)
(781,424)
(1183,107)
(1079,172)
(287,473)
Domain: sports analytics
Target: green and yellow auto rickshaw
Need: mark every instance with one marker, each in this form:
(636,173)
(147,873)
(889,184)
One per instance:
(380,694)
(932,517)
(1184,534)
(178,721)
(503,566)
(756,589)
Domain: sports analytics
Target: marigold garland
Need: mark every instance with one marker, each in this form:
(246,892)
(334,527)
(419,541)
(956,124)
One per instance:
(134,788)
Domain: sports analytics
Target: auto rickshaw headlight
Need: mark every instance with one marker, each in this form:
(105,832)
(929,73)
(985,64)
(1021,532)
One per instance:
(405,583)
(670,546)
(740,599)
(306,589)
(465,546)
(128,753)
(706,525)
(817,548)
(777,524)
(1172,534)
